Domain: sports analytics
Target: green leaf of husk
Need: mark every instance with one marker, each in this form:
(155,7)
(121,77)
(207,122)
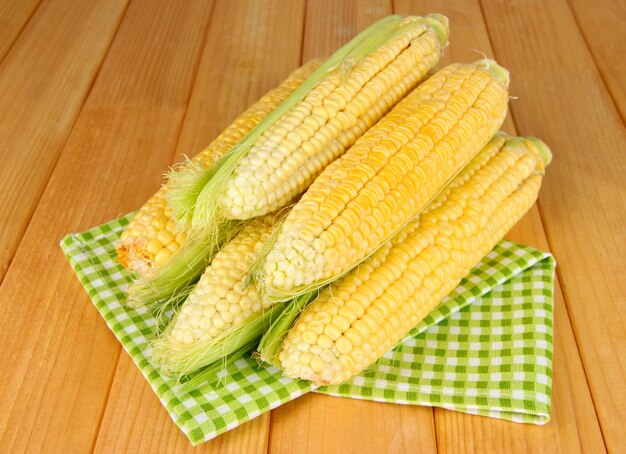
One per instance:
(206,216)
(272,340)
(179,359)
(209,374)
(186,182)
(174,280)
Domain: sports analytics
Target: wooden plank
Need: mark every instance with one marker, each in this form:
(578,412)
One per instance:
(329,26)
(13,17)
(562,99)
(43,83)
(318,423)
(603,24)
(573,426)
(246,55)
(256,49)
(58,357)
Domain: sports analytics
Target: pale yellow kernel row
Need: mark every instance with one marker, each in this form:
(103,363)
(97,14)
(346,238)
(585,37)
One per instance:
(388,176)
(290,154)
(151,236)
(356,320)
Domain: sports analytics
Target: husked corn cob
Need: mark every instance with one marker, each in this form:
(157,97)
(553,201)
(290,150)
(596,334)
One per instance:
(218,303)
(390,174)
(290,154)
(152,236)
(346,96)
(355,321)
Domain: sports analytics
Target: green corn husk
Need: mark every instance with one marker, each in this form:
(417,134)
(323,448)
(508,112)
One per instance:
(206,216)
(179,360)
(173,282)
(272,339)
(210,374)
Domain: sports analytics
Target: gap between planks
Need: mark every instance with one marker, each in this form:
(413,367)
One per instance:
(248,56)
(89,348)
(576,248)
(557,277)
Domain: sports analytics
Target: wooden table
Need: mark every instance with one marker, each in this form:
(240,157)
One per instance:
(98,97)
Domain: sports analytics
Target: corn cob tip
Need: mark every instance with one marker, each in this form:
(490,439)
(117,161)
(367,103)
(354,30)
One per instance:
(499,72)
(440,24)
(525,143)
(542,148)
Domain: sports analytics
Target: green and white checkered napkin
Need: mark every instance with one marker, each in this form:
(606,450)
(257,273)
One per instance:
(486,349)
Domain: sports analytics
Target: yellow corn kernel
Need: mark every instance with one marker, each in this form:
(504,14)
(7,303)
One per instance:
(329,119)
(501,182)
(154,219)
(423,142)
(219,301)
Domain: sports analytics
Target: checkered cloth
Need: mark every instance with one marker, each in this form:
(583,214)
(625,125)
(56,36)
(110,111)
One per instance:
(486,349)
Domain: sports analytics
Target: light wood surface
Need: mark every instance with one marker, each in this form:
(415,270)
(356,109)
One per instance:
(98,98)
(14,14)
(255,57)
(44,80)
(583,200)
(593,20)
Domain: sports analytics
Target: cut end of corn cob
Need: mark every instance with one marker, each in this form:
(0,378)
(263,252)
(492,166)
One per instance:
(354,88)
(392,172)
(219,305)
(356,320)
(173,281)
(150,238)
(153,235)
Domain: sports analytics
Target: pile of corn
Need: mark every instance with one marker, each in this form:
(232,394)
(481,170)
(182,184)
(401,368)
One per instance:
(335,213)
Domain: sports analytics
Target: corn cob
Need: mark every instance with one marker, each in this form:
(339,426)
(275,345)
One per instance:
(341,100)
(173,281)
(151,236)
(390,174)
(217,306)
(355,321)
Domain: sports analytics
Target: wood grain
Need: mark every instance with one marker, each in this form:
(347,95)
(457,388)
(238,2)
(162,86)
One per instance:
(318,423)
(43,83)
(246,55)
(331,424)
(331,25)
(58,357)
(13,17)
(115,119)
(456,430)
(573,427)
(563,100)
(603,25)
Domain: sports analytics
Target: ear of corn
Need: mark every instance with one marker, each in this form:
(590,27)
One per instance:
(357,319)
(152,236)
(390,175)
(288,157)
(173,281)
(220,314)
(353,89)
